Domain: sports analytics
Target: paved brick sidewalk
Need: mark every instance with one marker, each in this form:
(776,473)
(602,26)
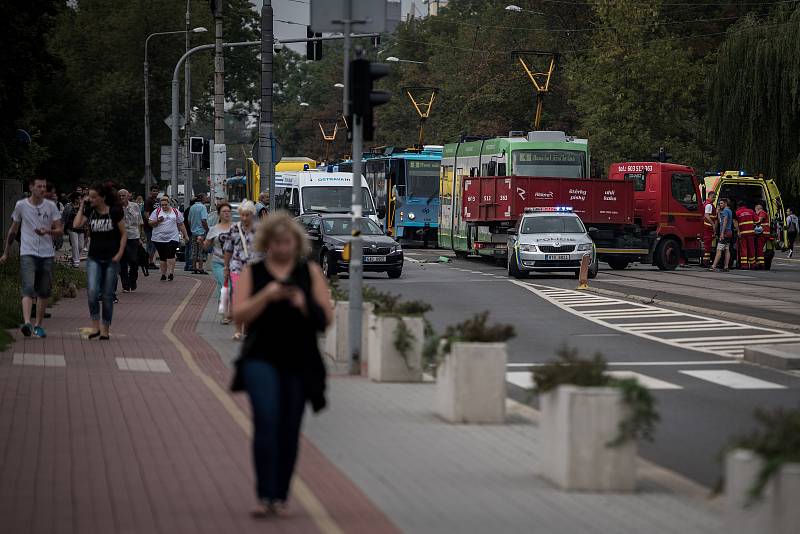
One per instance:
(86,446)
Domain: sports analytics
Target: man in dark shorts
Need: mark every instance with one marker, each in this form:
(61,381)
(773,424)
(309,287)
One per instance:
(725,235)
(39,221)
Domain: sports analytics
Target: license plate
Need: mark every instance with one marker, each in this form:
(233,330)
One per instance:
(556,256)
(374,259)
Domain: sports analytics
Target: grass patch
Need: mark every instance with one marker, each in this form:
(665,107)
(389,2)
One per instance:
(11,293)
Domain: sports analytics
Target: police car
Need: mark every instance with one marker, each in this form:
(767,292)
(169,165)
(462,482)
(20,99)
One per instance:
(551,239)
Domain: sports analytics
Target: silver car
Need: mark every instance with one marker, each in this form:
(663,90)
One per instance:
(549,240)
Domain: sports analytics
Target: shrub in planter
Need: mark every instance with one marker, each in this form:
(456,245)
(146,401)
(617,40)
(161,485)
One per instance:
(396,338)
(590,423)
(762,475)
(470,359)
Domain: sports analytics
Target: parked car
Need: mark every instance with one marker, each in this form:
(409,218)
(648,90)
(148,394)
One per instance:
(328,234)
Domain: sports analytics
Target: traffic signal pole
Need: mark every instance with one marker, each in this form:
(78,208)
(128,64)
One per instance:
(265,125)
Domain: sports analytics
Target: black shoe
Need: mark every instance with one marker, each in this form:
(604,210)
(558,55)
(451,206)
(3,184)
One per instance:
(164,277)
(116,300)
(171,277)
(94,335)
(47,315)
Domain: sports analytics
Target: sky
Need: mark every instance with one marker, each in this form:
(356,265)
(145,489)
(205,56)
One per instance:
(297,11)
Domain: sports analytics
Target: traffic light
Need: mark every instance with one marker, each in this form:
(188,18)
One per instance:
(196,145)
(363,97)
(313,48)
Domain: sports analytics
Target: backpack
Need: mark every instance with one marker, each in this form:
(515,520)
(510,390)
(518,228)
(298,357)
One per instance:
(792,227)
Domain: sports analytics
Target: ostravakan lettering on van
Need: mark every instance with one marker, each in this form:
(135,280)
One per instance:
(320,192)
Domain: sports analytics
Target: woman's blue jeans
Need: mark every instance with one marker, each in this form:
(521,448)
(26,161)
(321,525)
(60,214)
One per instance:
(278,400)
(101,278)
(218,268)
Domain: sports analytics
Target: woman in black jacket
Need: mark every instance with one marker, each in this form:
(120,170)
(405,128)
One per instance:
(285,303)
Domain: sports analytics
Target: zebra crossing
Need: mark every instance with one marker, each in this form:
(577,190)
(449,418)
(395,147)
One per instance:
(679,329)
(697,378)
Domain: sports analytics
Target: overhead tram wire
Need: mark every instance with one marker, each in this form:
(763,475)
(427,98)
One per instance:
(575,30)
(623,45)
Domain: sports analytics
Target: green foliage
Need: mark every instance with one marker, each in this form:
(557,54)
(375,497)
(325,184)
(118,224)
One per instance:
(391,304)
(777,442)
(572,370)
(10,293)
(477,329)
(403,339)
(754,104)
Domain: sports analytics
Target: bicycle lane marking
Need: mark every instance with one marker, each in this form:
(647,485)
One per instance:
(305,496)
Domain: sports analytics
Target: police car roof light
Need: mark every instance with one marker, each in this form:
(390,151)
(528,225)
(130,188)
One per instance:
(562,209)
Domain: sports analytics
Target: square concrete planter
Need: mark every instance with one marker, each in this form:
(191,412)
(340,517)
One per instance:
(776,512)
(577,425)
(386,363)
(342,320)
(471,384)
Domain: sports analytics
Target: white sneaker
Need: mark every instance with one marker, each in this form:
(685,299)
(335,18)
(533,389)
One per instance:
(791,253)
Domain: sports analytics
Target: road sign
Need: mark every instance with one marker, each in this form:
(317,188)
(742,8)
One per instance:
(369,16)
(166,163)
(168,120)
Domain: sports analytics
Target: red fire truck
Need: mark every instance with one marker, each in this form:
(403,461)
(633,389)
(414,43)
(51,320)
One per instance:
(646,211)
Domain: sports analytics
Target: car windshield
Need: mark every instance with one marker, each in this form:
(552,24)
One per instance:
(422,178)
(342,227)
(334,199)
(549,163)
(552,225)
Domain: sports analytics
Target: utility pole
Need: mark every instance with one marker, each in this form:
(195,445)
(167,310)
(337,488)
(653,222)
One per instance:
(265,126)
(219,99)
(148,170)
(187,74)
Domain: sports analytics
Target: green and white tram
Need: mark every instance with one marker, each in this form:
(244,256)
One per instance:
(540,154)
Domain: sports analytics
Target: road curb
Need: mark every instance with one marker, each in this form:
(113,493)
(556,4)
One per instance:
(647,471)
(696,309)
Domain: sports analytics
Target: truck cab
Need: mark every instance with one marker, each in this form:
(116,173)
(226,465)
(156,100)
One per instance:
(752,189)
(667,201)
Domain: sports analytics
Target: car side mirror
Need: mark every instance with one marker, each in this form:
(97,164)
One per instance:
(381,212)
(512,231)
(313,232)
(593,232)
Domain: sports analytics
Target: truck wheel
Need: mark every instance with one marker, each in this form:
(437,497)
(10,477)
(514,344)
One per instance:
(668,255)
(618,264)
(513,267)
(327,264)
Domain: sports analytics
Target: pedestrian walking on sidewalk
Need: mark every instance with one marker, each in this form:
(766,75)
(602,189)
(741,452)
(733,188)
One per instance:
(725,216)
(168,227)
(149,206)
(35,221)
(101,208)
(129,265)
(216,238)
(198,227)
(709,227)
(75,234)
(239,251)
(284,300)
(792,229)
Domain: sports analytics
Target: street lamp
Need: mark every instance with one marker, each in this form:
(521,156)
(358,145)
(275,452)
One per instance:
(517,9)
(304,104)
(339,85)
(398,60)
(148,173)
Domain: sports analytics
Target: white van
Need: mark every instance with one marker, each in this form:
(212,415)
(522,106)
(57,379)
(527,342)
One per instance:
(320,192)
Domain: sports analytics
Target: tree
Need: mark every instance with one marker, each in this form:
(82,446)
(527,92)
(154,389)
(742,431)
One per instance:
(636,88)
(754,103)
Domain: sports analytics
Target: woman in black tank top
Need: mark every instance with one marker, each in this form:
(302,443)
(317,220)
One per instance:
(284,302)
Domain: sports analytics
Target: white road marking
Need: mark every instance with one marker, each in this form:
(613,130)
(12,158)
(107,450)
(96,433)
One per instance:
(522,379)
(653,364)
(647,381)
(732,379)
(726,338)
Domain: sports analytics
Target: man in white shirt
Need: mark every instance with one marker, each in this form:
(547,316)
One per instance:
(38,221)
(129,264)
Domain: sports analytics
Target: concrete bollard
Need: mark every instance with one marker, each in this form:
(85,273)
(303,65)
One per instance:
(386,363)
(471,384)
(577,425)
(775,512)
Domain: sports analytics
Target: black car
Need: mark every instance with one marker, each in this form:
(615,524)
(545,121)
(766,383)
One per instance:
(328,234)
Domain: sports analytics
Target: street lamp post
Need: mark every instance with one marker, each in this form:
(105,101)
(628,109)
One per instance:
(148,171)
(398,60)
